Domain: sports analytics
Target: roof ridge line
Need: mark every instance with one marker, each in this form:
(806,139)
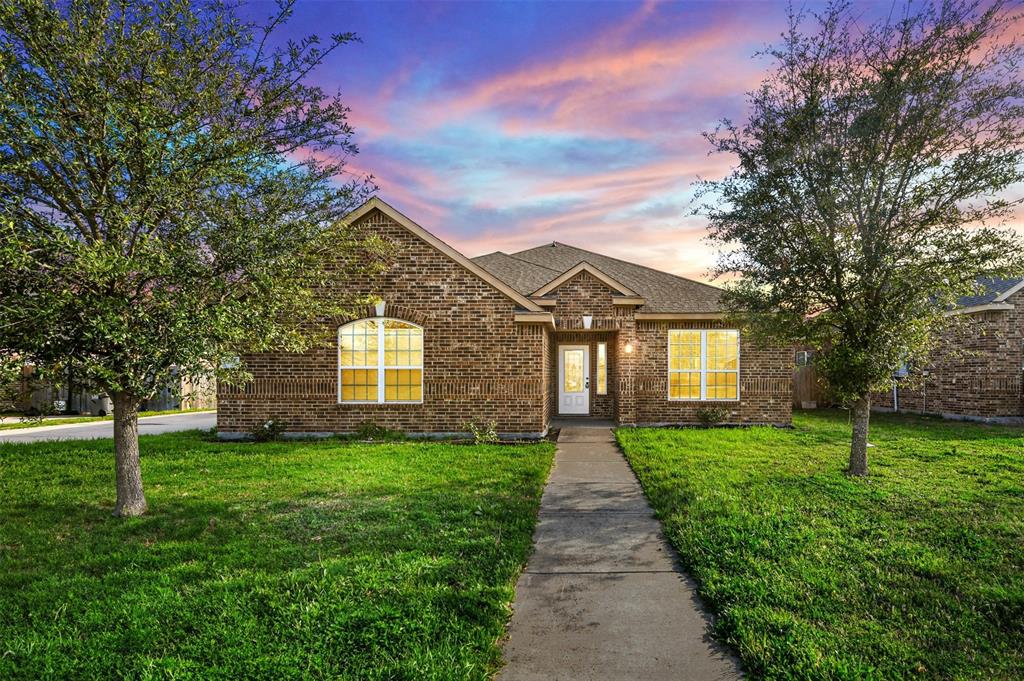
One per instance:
(530,262)
(627,262)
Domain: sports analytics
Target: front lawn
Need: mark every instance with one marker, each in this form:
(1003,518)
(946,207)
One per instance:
(916,572)
(311,559)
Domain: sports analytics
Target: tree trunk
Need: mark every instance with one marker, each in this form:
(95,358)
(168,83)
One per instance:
(130,499)
(859,444)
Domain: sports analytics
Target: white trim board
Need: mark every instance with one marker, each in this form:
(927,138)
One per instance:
(606,279)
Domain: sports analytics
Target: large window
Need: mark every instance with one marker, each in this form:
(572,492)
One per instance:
(703,364)
(380,360)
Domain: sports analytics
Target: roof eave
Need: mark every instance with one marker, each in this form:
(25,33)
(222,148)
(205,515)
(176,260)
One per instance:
(674,316)
(987,307)
(1005,295)
(535,318)
(442,247)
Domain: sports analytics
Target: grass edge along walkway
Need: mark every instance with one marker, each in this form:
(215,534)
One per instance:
(322,559)
(915,573)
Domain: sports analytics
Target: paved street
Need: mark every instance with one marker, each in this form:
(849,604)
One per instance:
(150,425)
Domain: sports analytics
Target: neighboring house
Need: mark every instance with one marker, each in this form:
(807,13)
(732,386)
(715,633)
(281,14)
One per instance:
(517,340)
(33,396)
(977,375)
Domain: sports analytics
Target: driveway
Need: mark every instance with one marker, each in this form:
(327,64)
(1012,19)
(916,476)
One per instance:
(149,425)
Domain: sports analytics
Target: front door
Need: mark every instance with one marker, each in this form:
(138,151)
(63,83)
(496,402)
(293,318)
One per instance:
(573,379)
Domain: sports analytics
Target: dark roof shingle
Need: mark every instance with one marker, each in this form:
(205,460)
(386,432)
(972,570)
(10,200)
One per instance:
(521,275)
(989,288)
(528,270)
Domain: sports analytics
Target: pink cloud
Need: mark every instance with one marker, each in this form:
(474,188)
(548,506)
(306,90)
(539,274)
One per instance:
(611,86)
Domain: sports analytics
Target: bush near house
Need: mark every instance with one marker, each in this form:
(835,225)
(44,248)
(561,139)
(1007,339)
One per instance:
(284,560)
(915,572)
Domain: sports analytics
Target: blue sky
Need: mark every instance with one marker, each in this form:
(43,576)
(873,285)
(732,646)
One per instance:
(502,125)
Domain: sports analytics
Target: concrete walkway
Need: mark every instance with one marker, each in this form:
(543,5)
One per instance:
(602,596)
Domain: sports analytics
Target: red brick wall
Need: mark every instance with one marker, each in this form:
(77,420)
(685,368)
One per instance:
(478,363)
(585,294)
(766,380)
(975,374)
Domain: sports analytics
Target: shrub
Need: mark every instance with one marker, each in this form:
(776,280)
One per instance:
(368,430)
(483,434)
(268,431)
(711,416)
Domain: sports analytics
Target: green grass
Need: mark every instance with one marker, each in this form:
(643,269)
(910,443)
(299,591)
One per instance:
(285,560)
(29,422)
(916,572)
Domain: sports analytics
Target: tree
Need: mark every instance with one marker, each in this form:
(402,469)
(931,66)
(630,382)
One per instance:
(168,196)
(866,196)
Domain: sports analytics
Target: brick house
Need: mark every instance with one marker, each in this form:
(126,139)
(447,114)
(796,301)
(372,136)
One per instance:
(976,374)
(518,339)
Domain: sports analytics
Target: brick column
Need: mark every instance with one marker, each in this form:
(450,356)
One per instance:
(627,372)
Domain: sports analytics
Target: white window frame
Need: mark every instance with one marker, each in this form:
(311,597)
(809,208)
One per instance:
(704,371)
(380,368)
(601,388)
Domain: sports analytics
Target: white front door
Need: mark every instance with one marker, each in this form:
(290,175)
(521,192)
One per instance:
(573,379)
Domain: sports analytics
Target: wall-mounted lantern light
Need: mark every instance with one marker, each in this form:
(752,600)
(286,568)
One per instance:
(629,348)
(587,321)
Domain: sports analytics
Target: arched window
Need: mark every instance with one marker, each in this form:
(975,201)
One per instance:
(380,360)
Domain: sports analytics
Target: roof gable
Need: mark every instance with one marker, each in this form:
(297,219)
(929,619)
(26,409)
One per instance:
(662,292)
(606,279)
(376,203)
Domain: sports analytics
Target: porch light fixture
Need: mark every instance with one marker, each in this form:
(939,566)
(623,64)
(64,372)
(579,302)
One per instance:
(587,321)
(628,348)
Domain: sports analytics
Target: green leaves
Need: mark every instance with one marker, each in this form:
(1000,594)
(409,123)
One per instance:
(868,174)
(168,191)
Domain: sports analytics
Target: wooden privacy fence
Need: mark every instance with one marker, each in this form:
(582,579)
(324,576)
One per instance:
(807,387)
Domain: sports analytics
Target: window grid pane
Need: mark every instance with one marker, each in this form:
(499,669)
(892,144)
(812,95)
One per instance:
(359,385)
(357,344)
(684,385)
(403,385)
(684,364)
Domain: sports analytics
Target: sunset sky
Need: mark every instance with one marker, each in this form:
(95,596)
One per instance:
(500,126)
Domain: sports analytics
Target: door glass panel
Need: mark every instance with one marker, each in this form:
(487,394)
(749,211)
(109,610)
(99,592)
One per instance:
(572,363)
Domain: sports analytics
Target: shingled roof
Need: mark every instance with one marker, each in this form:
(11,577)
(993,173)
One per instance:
(527,271)
(522,275)
(991,290)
